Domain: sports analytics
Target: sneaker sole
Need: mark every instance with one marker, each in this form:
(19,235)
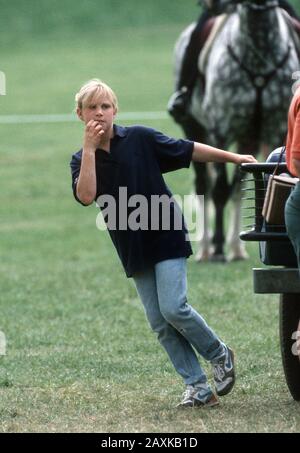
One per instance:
(230,386)
(212,403)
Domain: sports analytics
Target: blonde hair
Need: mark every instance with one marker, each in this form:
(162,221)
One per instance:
(95,87)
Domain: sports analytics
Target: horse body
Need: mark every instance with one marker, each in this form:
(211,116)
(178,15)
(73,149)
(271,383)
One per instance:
(242,98)
(234,94)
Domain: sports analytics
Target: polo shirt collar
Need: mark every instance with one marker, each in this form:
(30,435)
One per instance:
(119,131)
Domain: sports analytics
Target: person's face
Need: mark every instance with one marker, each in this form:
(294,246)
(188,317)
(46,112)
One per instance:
(100,109)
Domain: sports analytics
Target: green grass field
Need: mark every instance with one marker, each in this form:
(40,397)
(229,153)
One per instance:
(80,356)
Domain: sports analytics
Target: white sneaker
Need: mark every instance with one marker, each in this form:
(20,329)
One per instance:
(198,395)
(224,374)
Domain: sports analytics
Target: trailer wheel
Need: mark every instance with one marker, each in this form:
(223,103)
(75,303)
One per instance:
(289,331)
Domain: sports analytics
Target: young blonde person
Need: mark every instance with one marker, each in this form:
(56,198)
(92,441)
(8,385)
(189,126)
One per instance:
(114,157)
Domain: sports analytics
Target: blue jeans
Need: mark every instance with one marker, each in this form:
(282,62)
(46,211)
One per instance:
(292,219)
(179,327)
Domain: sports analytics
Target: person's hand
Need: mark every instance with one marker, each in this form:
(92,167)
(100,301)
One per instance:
(245,159)
(92,135)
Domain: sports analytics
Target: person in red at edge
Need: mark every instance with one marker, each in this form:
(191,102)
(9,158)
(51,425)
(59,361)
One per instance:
(292,207)
(114,157)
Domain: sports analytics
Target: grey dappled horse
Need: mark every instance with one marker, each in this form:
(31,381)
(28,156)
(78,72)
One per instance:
(241,97)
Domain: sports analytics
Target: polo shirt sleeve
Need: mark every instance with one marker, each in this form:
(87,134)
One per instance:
(172,154)
(75,165)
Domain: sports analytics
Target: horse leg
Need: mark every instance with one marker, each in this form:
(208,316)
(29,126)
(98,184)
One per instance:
(194,131)
(220,195)
(202,191)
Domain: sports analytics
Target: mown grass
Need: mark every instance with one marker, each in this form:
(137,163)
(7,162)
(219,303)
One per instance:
(80,356)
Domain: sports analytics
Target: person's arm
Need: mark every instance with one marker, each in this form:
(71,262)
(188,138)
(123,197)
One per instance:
(87,184)
(206,153)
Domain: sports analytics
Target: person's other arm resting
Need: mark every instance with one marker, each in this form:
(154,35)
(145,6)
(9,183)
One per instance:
(206,153)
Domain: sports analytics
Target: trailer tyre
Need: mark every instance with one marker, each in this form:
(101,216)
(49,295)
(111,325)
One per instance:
(289,330)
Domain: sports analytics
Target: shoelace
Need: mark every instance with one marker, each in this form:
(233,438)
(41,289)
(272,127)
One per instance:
(190,389)
(219,372)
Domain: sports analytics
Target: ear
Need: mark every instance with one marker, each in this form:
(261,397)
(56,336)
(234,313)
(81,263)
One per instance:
(115,112)
(79,113)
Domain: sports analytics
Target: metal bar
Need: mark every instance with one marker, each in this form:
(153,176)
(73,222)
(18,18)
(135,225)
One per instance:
(252,216)
(276,281)
(247,189)
(259,186)
(251,179)
(252,198)
(256,236)
(262,168)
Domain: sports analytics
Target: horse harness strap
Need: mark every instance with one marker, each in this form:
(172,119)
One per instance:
(259,81)
(294,27)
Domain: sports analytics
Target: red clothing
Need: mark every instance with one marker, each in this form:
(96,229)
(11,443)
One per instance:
(296,25)
(293,137)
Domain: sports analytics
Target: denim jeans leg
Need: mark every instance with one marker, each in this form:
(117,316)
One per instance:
(292,220)
(172,295)
(179,350)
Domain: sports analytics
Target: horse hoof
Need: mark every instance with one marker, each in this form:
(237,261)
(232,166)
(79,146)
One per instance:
(218,258)
(242,256)
(202,257)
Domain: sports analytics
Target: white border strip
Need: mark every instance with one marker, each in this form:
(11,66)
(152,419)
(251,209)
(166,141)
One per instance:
(71,117)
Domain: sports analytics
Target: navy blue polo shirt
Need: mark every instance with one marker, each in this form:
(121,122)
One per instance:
(137,159)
